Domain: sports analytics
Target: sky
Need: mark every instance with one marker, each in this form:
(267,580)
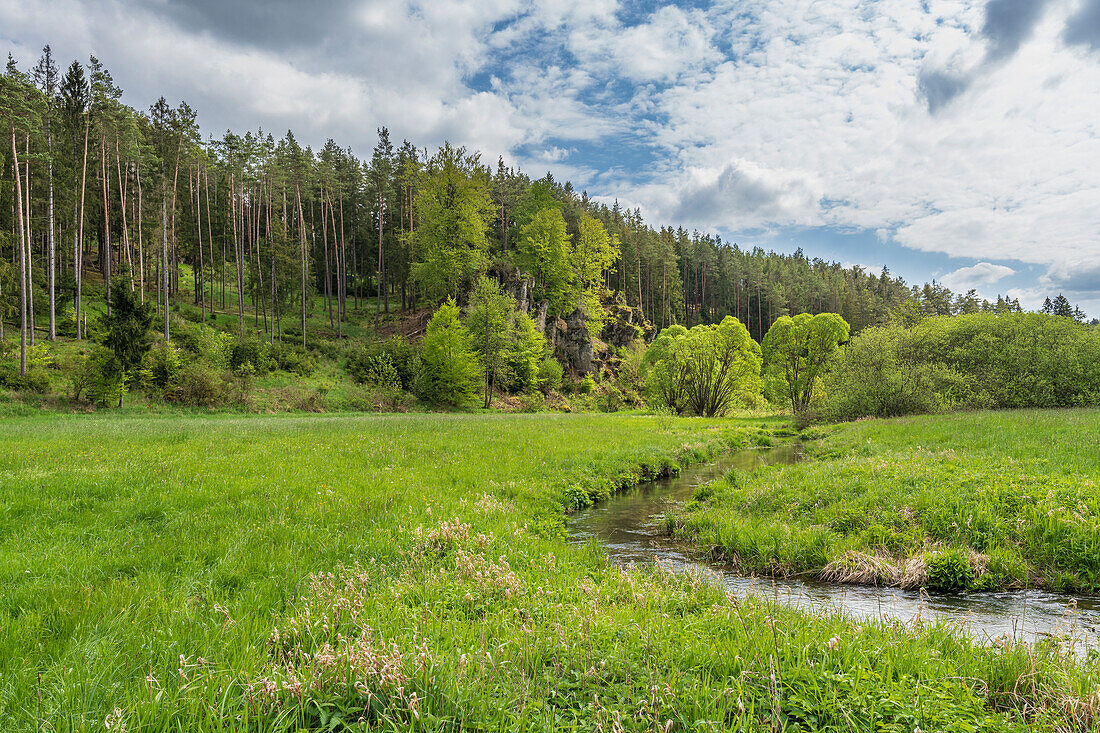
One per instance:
(945,139)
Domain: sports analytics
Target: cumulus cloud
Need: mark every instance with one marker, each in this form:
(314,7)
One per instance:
(977,276)
(736,117)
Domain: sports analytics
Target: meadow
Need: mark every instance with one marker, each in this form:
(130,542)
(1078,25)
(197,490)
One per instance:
(410,572)
(967,501)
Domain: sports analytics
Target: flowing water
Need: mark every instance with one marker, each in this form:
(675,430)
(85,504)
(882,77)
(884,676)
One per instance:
(629,527)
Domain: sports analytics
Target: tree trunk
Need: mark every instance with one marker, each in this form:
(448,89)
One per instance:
(22,258)
(51,276)
(78,245)
(164,275)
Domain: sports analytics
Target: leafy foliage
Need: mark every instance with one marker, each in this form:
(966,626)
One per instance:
(706,369)
(797,350)
(448,375)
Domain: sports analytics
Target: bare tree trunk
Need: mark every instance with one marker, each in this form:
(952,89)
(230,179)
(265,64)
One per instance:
(302,248)
(78,245)
(328,275)
(164,275)
(209,234)
(237,254)
(22,258)
(141,244)
(105,265)
(30,249)
(125,228)
(51,276)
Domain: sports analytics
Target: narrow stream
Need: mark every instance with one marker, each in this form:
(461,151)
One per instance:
(629,527)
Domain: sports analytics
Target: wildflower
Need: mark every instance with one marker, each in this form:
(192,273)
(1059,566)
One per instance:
(833,643)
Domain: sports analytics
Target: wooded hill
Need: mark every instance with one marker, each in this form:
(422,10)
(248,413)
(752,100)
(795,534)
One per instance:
(93,188)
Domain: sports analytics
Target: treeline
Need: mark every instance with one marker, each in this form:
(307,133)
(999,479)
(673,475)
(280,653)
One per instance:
(271,231)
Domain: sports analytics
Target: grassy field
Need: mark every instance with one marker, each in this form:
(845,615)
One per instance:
(967,501)
(409,572)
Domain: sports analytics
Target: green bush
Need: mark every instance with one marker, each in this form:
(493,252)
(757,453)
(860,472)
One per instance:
(550,374)
(36,379)
(975,361)
(395,353)
(199,385)
(292,358)
(160,367)
(950,571)
(250,354)
(587,384)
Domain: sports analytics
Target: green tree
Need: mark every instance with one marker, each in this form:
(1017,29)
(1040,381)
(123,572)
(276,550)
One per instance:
(454,209)
(127,333)
(797,349)
(490,319)
(594,252)
(523,354)
(449,368)
(722,365)
(546,252)
(665,371)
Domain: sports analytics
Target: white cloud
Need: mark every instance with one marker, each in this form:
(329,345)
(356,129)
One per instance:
(977,276)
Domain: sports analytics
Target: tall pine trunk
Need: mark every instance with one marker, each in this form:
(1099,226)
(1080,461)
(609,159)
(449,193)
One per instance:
(22,257)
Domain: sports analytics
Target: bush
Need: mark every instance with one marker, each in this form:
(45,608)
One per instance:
(199,385)
(250,354)
(610,399)
(550,374)
(291,358)
(160,367)
(587,384)
(979,360)
(36,380)
(950,571)
(395,353)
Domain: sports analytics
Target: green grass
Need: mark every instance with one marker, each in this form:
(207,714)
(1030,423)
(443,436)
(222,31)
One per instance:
(278,573)
(974,500)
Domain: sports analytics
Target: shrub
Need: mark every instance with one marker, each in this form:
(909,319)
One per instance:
(587,384)
(199,385)
(36,380)
(610,399)
(160,367)
(979,360)
(292,358)
(950,571)
(394,353)
(550,374)
(252,353)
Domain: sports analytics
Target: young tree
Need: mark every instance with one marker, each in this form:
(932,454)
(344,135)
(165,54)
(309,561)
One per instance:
(127,332)
(664,369)
(797,349)
(449,368)
(490,318)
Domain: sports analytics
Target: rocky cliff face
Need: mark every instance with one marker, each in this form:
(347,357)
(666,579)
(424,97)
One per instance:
(581,352)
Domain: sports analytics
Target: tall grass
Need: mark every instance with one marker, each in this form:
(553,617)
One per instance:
(994,499)
(410,573)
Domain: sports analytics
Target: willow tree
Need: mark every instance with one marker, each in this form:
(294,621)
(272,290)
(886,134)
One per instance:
(797,349)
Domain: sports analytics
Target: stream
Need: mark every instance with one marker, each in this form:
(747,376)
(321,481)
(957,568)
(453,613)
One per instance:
(629,527)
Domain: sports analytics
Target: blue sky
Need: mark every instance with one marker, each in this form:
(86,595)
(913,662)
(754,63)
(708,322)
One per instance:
(943,138)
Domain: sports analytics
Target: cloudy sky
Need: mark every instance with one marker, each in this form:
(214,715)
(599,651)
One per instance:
(948,139)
